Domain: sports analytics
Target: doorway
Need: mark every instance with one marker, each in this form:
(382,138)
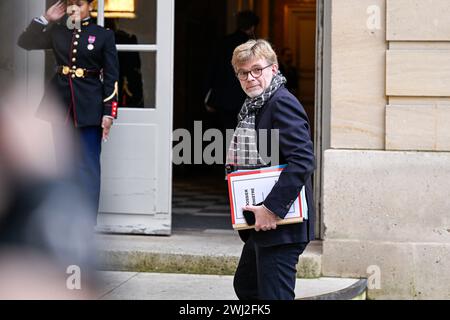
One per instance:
(200,199)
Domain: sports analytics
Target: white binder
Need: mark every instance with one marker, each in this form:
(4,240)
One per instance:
(250,187)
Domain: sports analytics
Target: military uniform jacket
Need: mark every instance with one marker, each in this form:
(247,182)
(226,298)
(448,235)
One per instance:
(85,100)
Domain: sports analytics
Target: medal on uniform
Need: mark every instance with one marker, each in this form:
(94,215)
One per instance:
(91,41)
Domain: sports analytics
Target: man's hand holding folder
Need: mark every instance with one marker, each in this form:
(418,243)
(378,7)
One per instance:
(262,218)
(251,187)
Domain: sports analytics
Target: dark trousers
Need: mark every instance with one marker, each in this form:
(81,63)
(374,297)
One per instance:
(267,273)
(79,149)
(88,166)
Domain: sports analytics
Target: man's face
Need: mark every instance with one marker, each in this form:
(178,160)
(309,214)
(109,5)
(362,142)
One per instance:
(78,9)
(255,85)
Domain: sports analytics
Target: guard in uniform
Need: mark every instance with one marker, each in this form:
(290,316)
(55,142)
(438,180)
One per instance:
(85,82)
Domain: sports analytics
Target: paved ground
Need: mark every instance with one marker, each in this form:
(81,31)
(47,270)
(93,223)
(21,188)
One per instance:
(157,286)
(220,246)
(201,228)
(211,242)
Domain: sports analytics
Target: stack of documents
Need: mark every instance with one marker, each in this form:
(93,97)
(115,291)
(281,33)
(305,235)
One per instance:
(249,187)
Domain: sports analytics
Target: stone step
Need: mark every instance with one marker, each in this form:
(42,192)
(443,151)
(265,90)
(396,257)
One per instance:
(166,286)
(214,252)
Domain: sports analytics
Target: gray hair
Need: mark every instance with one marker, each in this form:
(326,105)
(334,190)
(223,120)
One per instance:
(253,49)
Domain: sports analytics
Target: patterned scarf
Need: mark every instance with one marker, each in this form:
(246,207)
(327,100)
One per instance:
(243,150)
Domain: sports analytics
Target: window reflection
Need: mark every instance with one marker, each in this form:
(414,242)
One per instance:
(141,22)
(130,81)
(137,81)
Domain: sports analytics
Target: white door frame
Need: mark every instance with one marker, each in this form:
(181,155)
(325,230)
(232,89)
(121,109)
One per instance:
(153,215)
(156,218)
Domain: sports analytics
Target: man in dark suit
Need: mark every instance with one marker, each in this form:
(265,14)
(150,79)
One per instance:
(224,93)
(85,85)
(267,268)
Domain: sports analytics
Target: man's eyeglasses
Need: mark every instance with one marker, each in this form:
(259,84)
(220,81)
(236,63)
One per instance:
(255,72)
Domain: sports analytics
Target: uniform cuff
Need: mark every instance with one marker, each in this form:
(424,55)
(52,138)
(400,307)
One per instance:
(41,20)
(111,110)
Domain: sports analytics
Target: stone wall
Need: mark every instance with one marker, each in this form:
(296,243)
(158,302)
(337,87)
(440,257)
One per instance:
(386,197)
(390,210)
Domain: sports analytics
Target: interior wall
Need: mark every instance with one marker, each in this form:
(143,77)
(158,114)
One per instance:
(199,24)
(294,27)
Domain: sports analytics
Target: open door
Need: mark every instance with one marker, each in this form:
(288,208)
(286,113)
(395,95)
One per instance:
(137,160)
